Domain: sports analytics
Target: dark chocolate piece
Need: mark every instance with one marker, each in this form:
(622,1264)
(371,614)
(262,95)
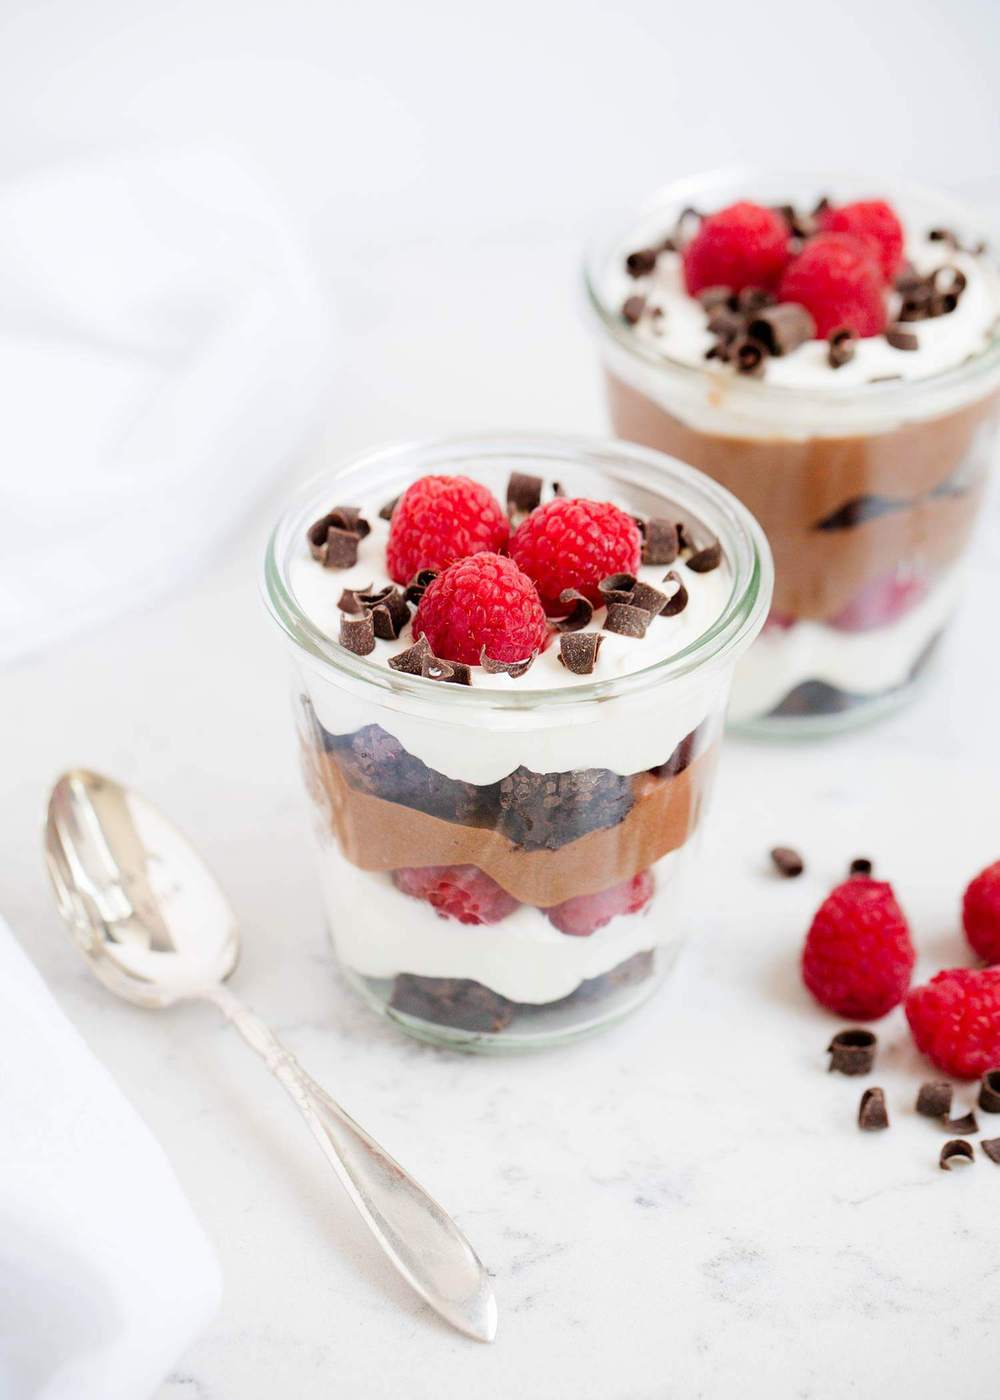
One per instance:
(660,542)
(357,634)
(966,1126)
(350,518)
(991,1146)
(385,513)
(523,493)
(333,546)
(644,595)
(726,324)
(411,661)
(452,1001)
(633,309)
(514,669)
(934,1099)
(617,588)
(712,298)
(350,599)
(626,620)
(787,862)
(782,328)
(703,561)
(989,1091)
(418,585)
(545,811)
(578,651)
(957,1152)
(748,356)
(432,668)
(581,610)
(872,1114)
(852,1052)
(389,611)
(642,261)
(843,344)
(900,339)
(753,299)
(861,865)
(678,599)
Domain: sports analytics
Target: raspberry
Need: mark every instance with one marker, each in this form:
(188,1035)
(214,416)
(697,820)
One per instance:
(440,519)
(981,914)
(883,600)
(858,958)
(459,892)
(837,279)
(745,245)
(482,601)
(955,1020)
(586,913)
(575,544)
(875,223)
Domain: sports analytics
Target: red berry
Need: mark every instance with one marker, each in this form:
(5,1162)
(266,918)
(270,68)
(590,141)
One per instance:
(440,519)
(981,913)
(459,892)
(858,958)
(875,223)
(955,1020)
(575,544)
(744,245)
(482,601)
(883,600)
(586,913)
(837,279)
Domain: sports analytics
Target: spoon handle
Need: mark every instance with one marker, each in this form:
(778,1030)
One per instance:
(419,1237)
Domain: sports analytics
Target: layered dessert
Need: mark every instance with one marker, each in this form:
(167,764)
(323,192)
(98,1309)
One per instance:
(510,691)
(833,360)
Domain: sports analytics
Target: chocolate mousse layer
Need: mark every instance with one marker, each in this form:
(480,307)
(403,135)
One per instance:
(839,512)
(376,834)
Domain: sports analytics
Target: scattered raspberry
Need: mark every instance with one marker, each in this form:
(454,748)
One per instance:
(586,913)
(882,601)
(482,601)
(459,892)
(837,279)
(955,1020)
(440,519)
(575,544)
(875,223)
(858,958)
(744,245)
(981,914)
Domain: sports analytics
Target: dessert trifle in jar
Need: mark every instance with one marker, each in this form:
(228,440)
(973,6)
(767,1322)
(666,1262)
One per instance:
(828,350)
(511,660)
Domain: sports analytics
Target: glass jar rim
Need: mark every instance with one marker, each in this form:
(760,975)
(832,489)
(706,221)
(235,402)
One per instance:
(743,541)
(982,365)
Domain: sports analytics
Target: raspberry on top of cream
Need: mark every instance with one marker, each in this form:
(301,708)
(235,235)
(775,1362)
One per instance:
(839,296)
(581,591)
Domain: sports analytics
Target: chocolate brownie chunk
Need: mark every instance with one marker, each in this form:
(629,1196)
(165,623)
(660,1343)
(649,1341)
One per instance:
(543,811)
(375,762)
(452,1001)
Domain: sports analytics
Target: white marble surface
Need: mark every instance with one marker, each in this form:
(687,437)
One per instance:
(680,1208)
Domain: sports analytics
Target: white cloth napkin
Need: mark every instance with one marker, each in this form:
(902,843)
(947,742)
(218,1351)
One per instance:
(164,353)
(105,1275)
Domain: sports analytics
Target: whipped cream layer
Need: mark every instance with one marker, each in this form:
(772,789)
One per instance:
(860,663)
(523,957)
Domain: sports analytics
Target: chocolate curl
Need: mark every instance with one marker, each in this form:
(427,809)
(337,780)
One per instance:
(991,1146)
(455,672)
(411,661)
(580,614)
(703,561)
(641,262)
(843,344)
(660,540)
(789,864)
(852,1052)
(748,356)
(645,596)
(872,1113)
(783,328)
(966,1126)
(385,512)
(989,1092)
(389,610)
(678,600)
(900,339)
(524,492)
(627,621)
(617,588)
(350,599)
(332,547)
(632,309)
(934,1099)
(957,1153)
(514,669)
(753,299)
(357,634)
(712,298)
(578,651)
(726,324)
(418,585)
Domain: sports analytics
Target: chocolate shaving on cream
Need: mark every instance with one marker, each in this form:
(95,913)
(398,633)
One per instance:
(578,651)
(783,328)
(703,561)
(626,620)
(581,610)
(514,669)
(957,1152)
(617,588)
(934,1099)
(852,1052)
(357,634)
(411,661)
(660,540)
(678,599)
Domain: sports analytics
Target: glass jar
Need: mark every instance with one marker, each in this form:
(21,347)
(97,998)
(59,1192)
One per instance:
(572,801)
(868,491)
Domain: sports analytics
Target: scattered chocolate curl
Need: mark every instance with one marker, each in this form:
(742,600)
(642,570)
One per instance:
(678,599)
(783,328)
(703,561)
(627,621)
(645,596)
(641,262)
(388,609)
(957,1152)
(989,1092)
(842,347)
(332,546)
(385,512)
(411,661)
(578,651)
(524,492)
(418,585)
(872,1113)
(357,634)
(789,863)
(581,611)
(712,298)
(991,1146)
(455,672)
(350,599)
(748,356)
(617,588)
(965,1126)
(852,1051)
(900,339)
(660,540)
(633,308)
(934,1099)
(514,669)
(861,866)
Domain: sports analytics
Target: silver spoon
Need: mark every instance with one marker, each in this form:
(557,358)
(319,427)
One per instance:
(155,928)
